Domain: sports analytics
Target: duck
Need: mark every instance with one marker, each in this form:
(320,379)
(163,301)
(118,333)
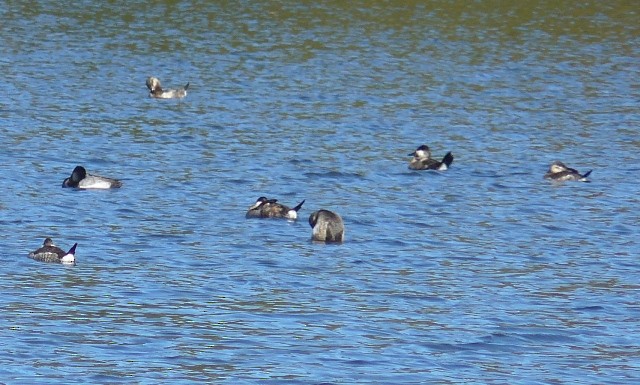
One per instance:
(80,179)
(559,172)
(270,208)
(156,91)
(422,160)
(52,253)
(327,226)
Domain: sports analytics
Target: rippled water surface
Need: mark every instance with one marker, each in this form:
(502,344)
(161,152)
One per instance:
(483,274)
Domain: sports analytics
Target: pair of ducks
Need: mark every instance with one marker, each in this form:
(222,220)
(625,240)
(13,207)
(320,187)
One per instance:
(81,179)
(558,171)
(327,226)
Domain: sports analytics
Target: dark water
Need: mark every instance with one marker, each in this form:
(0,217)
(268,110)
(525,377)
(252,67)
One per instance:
(484,274)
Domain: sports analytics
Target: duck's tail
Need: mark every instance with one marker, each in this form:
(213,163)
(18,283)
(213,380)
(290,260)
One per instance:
(448,159)
(72,250)
(70,257)
(187,86)
(298,206)
(585,175)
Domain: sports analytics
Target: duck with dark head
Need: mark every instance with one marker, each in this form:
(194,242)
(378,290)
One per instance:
(52,253)
(270,208)
(81,179)
(422,160)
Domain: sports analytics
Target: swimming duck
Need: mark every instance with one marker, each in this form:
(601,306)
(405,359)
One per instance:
(422,160)
(51,253)
(327,226)
(156,91)
(269,208)
(80,179)
(558,171)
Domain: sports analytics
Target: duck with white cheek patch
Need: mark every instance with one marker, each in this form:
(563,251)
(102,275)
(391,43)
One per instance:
(559,172)
(422,160)
(156,90)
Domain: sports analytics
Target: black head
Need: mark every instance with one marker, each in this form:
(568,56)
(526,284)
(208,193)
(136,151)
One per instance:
(264,200)
(260,202)
(424,148)
(78,174)
(48,242)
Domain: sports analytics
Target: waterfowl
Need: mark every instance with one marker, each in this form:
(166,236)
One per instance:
(422,160)
(558,171)
(269,208)
(51,253)
(327,226)
(156,91)
(80,179)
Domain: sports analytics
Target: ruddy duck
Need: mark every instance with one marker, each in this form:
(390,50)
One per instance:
(269,208)
(51,253)
(80,179)
(558,171)
(327,226)
(422,160)
(156,91)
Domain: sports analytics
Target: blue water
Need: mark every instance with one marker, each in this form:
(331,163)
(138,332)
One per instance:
(485,273)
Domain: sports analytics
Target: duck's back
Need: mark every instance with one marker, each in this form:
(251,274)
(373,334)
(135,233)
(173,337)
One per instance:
(274,210)
(424,164)
(47,254)
(327,226)
(99,182)
(563,176)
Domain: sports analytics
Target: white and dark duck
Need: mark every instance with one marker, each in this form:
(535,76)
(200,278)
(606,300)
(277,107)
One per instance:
(156,90)
(80,179)
(422,160)
(558,171)
(53,254)
(327,226)
(270,208)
